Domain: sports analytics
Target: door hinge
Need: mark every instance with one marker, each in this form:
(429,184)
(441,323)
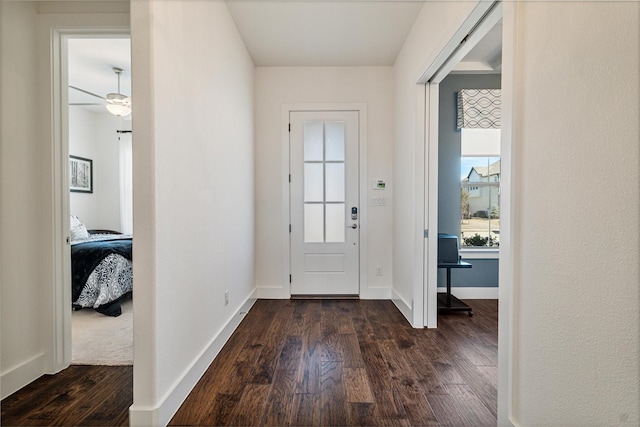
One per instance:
(289,127)
(289,228)
(289,278)
(68,240)
(289,177)
(426,233)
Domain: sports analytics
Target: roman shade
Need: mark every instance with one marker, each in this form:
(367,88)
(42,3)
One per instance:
(479,109)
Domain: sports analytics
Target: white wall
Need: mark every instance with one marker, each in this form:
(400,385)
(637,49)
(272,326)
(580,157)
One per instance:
(433,28)
(22,350)
(29,259)
(94,136)
(83,143)
(576,271)
(193,195)
(276,86)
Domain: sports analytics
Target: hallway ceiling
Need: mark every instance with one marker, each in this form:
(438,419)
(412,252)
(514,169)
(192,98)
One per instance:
(286,33)
(324,33)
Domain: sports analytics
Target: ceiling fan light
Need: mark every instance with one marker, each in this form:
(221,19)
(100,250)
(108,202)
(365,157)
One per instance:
(118,109)
(117,103)
(117,98)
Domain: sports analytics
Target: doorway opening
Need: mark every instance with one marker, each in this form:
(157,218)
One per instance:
(480,22)
(472,64)
(96,199)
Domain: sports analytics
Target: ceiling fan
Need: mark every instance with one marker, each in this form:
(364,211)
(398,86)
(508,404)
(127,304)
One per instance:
(116,103)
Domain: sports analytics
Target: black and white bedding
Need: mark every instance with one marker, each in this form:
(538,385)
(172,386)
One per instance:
(101,272)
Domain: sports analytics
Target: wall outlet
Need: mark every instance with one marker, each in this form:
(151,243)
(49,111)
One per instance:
(226,297)
(379,271)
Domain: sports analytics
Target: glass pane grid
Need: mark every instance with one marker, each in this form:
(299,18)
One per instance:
(324,182)
(313,182)
(334,219)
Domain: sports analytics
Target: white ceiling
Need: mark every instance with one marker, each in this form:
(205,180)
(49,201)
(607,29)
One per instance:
(90,67)
(285,33)
(486,56)
(324,33)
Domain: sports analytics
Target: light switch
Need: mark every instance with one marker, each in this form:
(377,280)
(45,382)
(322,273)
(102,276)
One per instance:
(378,201)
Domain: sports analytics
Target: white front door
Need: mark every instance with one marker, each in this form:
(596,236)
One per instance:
(324,203)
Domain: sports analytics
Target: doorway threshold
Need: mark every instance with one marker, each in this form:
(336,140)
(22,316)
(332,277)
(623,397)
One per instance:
(328,297)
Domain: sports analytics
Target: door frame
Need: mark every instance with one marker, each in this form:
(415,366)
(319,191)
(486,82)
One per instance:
(484,15)
(331,282)
(361,108)
(61,311)
(483,18)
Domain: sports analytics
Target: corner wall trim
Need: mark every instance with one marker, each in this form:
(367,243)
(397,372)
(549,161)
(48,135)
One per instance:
(18,377)
(161,414)
(404,308)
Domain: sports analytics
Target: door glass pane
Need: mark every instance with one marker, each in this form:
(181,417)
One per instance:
(335,182)
(313,182)
(313,223)
(336,226)
(313,141)
(335,140)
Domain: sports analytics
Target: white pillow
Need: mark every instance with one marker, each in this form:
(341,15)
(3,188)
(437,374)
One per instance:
(77,229)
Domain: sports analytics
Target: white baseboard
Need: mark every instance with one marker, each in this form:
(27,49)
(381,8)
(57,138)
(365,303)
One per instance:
(282,293)
(16,378)
(405,309)
(375,293)
(273,293)
(472,293)
(170,403)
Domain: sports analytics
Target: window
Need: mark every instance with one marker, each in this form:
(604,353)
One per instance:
(480,188)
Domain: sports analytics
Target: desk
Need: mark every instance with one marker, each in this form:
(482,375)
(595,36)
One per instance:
(447,303)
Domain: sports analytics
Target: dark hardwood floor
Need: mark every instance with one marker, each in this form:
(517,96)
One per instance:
(306,362)
(350,362)
(77,396)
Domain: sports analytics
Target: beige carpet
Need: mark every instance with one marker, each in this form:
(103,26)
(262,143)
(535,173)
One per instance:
(102,340)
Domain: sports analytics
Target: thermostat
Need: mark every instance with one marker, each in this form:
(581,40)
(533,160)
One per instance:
(379,184)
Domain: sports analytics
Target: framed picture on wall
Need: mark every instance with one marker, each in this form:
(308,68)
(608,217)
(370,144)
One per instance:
(80,175)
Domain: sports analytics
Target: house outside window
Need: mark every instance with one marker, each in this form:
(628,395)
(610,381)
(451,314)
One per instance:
(480,188)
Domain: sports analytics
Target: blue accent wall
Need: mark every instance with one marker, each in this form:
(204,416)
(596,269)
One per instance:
(484,272)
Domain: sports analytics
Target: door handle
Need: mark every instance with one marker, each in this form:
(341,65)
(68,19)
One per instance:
(354,226)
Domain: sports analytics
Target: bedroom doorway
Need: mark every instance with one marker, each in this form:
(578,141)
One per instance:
(99,204)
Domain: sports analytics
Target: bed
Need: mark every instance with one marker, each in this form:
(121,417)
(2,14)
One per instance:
(101,269)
